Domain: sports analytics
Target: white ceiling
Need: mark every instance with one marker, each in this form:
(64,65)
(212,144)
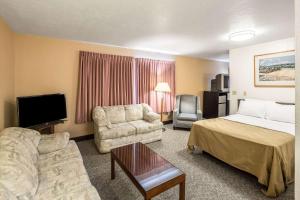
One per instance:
(198,28)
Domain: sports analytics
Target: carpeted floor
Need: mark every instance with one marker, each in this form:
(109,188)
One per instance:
(207,177)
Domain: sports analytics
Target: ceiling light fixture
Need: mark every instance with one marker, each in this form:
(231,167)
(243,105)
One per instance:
(242,35)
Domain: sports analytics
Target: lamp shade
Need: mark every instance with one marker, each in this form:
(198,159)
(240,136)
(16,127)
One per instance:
(162,87)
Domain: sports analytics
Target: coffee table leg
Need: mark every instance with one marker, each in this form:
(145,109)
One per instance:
(182,190)
(112,167)
(147,198)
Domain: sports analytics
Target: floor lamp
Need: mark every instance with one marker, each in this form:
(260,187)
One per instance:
(162,88)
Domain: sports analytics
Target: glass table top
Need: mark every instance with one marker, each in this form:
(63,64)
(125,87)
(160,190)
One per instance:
(147,167)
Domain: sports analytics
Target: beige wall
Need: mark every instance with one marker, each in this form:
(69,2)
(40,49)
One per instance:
(46,65)
(193,75)
(6,76)
(297,143)
(242,74)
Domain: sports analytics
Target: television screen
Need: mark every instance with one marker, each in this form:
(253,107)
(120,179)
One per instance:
(226,81)
(36,110)
(222,82)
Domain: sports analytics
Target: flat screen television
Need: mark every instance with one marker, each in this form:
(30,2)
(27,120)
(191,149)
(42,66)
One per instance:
(35,110)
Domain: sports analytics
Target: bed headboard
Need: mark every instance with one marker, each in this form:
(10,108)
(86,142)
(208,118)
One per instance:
(282,103)
(285,103)
(239,102)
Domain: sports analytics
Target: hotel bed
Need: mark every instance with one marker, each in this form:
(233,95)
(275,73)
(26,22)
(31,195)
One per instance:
(258,140)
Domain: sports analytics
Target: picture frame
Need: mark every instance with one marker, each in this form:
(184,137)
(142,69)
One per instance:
(275,69)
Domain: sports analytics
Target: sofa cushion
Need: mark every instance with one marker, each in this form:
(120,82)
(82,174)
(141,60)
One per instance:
(18,156)
(81,192)
(117,131)
(133,112)
(115,114)
(63,176)
(145,127)
(60,178)
(187,117)
(188,104)
(70,152)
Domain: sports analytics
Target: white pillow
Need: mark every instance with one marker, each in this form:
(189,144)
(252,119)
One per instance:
(281,112)
(253,107)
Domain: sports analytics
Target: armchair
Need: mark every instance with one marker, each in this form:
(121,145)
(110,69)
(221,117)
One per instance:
(187,111)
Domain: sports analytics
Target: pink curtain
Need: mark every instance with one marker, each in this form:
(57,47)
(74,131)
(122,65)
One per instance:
(150,72)
(103,80)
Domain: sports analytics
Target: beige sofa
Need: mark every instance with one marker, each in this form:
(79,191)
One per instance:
(27,174)
(116,126)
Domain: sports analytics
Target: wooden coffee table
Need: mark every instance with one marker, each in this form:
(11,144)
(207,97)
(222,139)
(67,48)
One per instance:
(149,172)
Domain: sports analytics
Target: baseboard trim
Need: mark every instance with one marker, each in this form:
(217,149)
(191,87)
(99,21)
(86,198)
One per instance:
(168,122)
(82,138)
(183,129)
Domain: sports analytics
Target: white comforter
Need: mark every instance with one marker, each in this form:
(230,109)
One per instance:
(264,123)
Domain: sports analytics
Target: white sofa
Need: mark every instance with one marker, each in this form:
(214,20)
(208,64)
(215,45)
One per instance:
(115,126)
(27,174)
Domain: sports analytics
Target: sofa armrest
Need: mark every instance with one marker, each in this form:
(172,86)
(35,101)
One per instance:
(98,130)
(53,142)
(146,108)
(199,114)
(151,116)
(99,117)
(148,113)
(175,114)
(176,111)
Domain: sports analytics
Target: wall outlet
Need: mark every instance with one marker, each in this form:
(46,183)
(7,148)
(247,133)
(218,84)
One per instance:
(234,92)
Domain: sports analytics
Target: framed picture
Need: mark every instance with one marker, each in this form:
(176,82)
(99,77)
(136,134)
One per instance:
(275,69)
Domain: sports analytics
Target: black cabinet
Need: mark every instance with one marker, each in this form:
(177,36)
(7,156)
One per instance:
(215,104)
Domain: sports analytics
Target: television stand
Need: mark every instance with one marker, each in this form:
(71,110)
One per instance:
(46,128)
(215,104)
